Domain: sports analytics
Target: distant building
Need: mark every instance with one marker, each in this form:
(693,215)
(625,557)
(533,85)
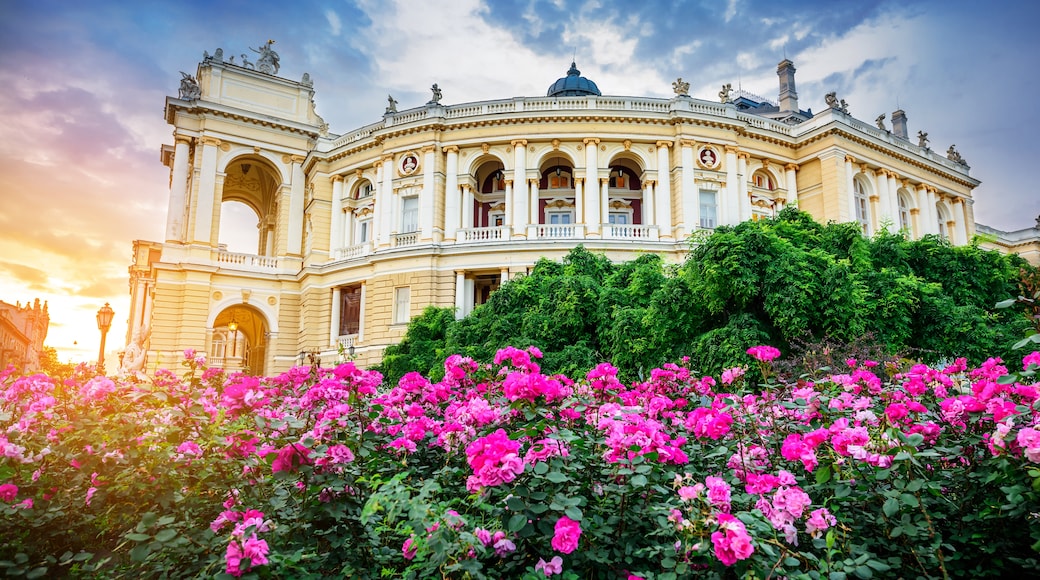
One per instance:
(1024,242)
(22,332)
(440,204)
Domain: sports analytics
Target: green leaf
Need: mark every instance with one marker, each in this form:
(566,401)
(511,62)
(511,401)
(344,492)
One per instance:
(896,532)
(140,552)
(573,513)
(139,537)
(516,523)
(516,504)
(556,477)
(908,499)
(891,507)
(166,535)
(791,562)
(541,468)
(863,572)
(638,480)
(823,475)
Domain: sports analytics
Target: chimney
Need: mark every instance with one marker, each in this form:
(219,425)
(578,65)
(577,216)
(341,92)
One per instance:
(899,124)
(788,96)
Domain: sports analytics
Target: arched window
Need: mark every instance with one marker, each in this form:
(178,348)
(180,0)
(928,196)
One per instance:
(942,217)
(859,191)
(904,212)
(764,180)
(364,190)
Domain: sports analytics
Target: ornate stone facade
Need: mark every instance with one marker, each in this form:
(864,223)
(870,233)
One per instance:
(440,204)
(22,332)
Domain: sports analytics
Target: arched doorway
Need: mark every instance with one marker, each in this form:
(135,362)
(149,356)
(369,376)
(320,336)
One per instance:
(239,341)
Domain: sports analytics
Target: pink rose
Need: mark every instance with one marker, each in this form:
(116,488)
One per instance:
(8,492)
(550,568)
(566,535)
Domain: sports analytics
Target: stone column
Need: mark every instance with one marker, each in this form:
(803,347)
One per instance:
(451,193)
(792,183)
(294,245)
(933,212)
(850,187)
(460,294)
(691,203)
(730,206)
(742,180)
(594,216)
(503,276)
(960,213)
(648,202)
(336,304)
(893,200)
(534,215)
(664,190)
(138,317)
(915,225)
(604,201)
(467,206)
(508,218)
(178,192)
(384,202)
(207,186)
(426,204)
(926,225)
(361,316)
(884,206)
(520,212)
(579,200)
(336,223)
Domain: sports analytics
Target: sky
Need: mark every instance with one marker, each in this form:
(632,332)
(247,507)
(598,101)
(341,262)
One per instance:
(84,85)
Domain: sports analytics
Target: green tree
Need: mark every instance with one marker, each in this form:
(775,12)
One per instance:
(53,367)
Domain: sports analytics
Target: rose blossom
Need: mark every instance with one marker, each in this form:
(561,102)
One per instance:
(566,535)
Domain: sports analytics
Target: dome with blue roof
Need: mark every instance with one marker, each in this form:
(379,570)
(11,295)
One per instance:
(573,85)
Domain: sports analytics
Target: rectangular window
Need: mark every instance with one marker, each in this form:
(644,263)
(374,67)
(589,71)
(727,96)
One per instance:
(409,214)
(350,310)
(709,210)
(364,231)
(402,304)
(559,218)
(618,218)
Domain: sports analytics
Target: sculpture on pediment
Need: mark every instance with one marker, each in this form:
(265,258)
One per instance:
(681,87)
(391,106)
(189,90)
(306,80)
(436,94)
(217,56)
(843,107)
(922,139)
(832,100)
(1038,222)
(268,61)
(953,155)
(880,122)
(245,62)
(724,94)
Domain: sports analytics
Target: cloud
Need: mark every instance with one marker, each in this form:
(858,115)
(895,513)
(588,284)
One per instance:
(33,278)
(335,26)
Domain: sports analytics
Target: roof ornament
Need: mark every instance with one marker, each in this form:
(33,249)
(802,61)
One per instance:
(681,87)
(268,61)
(880,122)
(725,93)
(437,96)
(834,103)
(953,155)
(922,139)
(189,89)
(391,106)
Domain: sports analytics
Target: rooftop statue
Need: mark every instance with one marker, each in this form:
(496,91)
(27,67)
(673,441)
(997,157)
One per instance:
(268,61)
(189,89)
(880,121)
(922,139)
(724,94)
(681,87)
(436,94)
(391,106)
(953,155)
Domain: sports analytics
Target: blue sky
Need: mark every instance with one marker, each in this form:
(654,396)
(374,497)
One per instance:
(84,84)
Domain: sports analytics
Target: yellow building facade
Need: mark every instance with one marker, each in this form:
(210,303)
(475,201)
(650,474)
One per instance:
(440,204)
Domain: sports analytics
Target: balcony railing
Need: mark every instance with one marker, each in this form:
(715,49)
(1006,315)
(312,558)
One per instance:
(355,251)
(407,239)
(490,234)
(629,232)
(232,259)
(558,231)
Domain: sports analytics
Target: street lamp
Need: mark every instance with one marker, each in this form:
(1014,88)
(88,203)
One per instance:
(233,327)
(104,322)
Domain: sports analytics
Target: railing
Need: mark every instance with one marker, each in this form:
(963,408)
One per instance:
(556,231)
(490,234)
(355,251)
(406,239)
(225,257)
(630,232)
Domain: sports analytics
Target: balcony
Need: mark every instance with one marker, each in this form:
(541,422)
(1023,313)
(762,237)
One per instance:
(350,252)
(629,232)
(406,239)
(490,234)
(235,260)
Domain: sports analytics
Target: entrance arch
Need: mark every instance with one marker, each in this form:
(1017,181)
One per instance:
(239,340)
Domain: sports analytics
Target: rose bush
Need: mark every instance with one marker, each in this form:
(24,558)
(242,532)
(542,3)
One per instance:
(498,471)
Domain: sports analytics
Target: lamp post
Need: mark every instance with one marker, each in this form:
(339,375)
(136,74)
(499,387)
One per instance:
(233,327)
(104,322)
